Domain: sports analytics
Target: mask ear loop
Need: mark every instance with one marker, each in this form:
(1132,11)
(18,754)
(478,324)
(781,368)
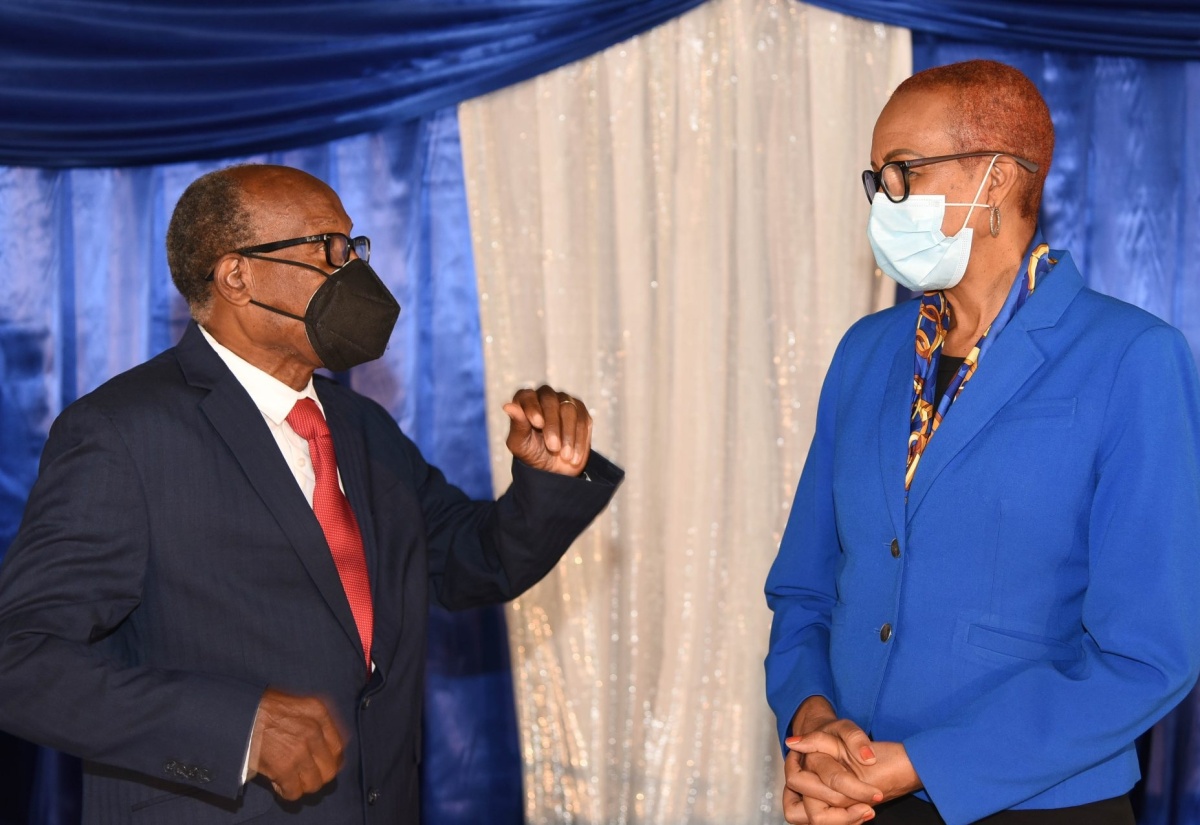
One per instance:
(975,200)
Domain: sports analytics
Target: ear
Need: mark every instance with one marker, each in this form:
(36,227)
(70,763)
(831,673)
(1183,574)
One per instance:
(1002,182)
(232,280)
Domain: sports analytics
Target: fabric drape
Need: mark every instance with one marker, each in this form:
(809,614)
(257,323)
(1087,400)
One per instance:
(96,83)
(87,294)
(1152,29)
(666,230)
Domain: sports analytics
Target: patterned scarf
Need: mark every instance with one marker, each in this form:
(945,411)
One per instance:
(932,323)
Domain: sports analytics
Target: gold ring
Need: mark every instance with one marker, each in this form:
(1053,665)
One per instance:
(567,400)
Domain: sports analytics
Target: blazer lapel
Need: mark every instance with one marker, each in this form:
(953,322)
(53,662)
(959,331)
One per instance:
(240,424)
(894,429)
(1010,362)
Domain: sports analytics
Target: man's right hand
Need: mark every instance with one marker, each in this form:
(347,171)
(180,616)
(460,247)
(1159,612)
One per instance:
(295,744)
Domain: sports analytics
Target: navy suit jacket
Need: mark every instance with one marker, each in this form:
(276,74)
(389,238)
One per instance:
(169,569)
(1030,606)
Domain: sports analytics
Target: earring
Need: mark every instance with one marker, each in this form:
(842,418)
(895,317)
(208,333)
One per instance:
(994,222)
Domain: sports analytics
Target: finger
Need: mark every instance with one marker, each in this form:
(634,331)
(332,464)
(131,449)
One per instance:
(528,399)
(858,744)
(818,742)
(837,778)
(821,814)
(793,808)
(808,784)
(568,417)
(583,436)
(551,428)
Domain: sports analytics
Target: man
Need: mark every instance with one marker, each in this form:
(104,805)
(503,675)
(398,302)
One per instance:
(218,594)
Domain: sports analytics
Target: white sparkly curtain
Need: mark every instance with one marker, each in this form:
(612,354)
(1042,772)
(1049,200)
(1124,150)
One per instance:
(673,230)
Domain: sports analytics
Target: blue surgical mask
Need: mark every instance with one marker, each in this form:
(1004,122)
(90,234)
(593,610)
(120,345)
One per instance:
(909,244)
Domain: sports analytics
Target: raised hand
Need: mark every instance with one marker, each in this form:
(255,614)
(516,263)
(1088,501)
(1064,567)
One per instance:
(549,430)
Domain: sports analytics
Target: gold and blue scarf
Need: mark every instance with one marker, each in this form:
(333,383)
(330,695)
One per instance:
(933,321)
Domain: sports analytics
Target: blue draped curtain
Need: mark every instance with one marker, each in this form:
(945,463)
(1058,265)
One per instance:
(106,83)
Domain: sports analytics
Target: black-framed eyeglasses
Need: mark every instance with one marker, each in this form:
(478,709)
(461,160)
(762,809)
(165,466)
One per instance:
(337,247)
(892,178)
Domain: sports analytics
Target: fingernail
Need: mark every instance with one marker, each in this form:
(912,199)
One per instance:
(866,753)
(878,798)
(868,816)
(792,740)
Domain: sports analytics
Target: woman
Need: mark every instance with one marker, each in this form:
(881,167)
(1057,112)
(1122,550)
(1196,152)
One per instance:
(977,626)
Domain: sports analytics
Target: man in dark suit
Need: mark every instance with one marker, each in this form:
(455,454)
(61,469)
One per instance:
(218,594)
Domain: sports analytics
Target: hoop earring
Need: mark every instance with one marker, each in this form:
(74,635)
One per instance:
(994,222)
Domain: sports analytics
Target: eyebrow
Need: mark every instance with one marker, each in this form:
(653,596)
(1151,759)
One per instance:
(890,156)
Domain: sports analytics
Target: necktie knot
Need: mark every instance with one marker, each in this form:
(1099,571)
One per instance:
(307,421)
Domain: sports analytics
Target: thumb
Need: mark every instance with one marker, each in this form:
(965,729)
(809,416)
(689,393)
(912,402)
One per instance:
(518,423)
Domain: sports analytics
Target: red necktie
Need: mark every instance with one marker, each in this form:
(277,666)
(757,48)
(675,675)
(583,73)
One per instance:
(336,518)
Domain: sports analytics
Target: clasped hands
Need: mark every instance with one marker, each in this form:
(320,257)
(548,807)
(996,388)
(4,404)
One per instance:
(834,774)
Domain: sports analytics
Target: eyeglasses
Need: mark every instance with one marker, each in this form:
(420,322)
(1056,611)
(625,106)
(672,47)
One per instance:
(337,247)
(892,179)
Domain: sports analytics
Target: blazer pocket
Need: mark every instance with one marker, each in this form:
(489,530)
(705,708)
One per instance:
(1047,410)
(1019,645)
(187,808)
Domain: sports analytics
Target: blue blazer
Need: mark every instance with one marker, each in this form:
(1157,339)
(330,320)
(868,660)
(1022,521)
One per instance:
(1032,606)
(169,568)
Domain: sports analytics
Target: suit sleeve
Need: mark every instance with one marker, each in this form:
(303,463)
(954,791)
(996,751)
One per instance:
(800,586)
(1140,612)
(72,578)
(488,552)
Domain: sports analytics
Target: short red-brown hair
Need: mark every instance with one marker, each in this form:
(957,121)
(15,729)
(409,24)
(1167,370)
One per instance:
(995,107)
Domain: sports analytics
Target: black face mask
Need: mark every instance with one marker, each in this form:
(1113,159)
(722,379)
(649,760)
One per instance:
(349,318)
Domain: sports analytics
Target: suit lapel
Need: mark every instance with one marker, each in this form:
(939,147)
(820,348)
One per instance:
(240,424)
(1013,358)
(894,428)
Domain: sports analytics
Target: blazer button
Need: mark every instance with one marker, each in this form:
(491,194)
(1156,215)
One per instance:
(366,703)
(372,796)
(885,633)
(895,548)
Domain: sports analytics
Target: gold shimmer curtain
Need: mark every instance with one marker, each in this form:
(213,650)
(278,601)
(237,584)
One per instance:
(673,230)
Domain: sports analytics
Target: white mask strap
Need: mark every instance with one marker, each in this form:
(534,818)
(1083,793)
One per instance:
(975,200)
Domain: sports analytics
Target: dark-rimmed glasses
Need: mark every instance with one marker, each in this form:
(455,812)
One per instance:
(337,247)
(892,179)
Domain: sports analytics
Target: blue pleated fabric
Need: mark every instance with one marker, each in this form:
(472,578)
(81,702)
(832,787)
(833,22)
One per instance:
(86,294)
(1123,195)
(1141,28)
(109,83)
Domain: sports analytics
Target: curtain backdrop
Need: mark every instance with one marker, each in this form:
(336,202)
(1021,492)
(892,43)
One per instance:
(668,230)
(86,294)
(1142,28)
(104,83)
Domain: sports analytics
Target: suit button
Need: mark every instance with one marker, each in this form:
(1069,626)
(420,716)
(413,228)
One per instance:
(366,703)
(372,796)
(885,633)
(895,548)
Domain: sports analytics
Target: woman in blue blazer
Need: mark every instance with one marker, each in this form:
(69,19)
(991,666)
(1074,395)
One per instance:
(987,587)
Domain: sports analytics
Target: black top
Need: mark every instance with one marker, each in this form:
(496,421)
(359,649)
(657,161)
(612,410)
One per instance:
(947,368)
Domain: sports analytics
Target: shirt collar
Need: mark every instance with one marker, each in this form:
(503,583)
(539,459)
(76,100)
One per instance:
(273,398)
